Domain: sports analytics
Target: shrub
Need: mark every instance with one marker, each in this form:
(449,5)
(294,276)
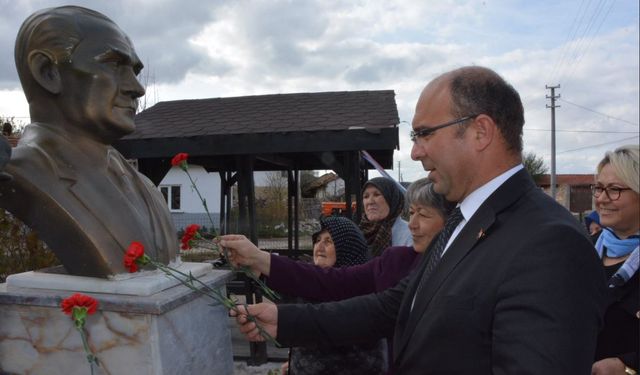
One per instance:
(20,248)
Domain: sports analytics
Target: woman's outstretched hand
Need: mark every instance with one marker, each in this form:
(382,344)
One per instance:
(243,252)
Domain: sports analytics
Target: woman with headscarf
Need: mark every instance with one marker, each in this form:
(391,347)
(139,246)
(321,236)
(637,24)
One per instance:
(381,223)
(428,212)
(617,194)
(339,243)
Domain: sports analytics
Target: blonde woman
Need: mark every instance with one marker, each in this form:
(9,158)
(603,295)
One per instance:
(617,194)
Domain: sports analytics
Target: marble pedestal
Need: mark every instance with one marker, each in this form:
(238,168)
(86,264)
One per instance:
(170,331)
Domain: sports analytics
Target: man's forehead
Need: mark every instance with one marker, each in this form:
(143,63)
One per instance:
(434,101)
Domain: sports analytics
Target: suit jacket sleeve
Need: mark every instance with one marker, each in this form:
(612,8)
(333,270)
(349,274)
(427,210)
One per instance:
(363,318)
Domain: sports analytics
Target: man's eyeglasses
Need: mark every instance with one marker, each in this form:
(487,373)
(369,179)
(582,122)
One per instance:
(612,192)
(414,135)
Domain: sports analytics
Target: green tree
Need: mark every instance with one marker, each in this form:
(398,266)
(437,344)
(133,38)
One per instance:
(534,164)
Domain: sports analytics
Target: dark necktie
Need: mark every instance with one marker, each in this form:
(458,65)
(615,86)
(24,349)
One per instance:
(441,242)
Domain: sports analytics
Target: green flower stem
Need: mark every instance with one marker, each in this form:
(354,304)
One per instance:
(204,289)
(91,358)
(268,292)
(204,201)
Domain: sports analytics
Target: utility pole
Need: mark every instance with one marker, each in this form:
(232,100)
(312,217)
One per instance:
(553,107)
(399,172)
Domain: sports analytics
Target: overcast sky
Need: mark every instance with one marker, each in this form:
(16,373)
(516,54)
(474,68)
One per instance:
(204,49)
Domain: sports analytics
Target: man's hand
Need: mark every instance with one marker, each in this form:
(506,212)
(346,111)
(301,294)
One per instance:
(265,314)
(244,253)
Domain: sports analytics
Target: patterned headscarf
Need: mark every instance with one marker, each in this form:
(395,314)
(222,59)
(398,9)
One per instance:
(378,233)
(351,248)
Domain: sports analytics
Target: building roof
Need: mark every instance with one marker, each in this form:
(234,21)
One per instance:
(300,131)
(279,113)
(567,179)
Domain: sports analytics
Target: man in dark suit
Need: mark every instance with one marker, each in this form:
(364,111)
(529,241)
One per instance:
(78,71)
(515,289)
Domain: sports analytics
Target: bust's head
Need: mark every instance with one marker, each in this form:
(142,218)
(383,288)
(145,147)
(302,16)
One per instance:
(78,69)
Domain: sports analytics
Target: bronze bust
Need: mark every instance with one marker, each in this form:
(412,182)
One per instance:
(79,70)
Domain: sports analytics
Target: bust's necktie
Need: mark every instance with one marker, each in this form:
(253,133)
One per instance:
(441,242)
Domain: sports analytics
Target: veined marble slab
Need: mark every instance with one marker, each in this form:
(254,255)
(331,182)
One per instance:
(176,331)
(143,283)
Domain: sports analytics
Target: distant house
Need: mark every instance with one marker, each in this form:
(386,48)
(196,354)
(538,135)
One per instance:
(573,191)
(327,186)
(183,201)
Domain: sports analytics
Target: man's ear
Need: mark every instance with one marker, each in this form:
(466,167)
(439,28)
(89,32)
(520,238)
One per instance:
(485,131)
(44,70)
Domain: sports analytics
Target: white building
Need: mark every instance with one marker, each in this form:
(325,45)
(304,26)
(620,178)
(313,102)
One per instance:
(183,201)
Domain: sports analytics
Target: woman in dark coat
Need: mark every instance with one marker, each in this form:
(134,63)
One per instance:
(617,193)
(339,243)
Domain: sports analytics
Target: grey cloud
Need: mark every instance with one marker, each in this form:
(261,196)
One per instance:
(159,30)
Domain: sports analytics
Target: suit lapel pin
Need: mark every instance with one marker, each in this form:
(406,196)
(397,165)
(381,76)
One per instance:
(481,234)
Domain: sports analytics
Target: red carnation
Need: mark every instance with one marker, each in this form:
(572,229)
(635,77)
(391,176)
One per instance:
(190,232)
(134,256)
(79,301)
(180,159)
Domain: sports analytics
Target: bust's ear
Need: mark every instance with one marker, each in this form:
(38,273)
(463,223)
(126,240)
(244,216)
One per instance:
(45,71)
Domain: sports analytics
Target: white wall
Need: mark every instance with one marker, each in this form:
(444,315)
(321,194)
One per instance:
(208,184)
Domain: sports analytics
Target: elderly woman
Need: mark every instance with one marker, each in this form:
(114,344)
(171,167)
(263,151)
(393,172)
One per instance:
(339,243)
(617,193)
(427,211)
(381,223)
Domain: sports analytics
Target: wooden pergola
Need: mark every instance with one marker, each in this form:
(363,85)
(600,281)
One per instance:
(283,132)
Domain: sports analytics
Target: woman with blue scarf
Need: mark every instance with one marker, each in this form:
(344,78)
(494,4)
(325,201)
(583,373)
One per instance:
(617,193)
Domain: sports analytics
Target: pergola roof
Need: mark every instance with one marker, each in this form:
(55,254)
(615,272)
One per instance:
(283,131)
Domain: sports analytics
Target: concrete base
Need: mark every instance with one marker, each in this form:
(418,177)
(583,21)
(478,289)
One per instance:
(174,331)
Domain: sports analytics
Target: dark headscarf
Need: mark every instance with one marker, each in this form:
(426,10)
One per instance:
(378,234)
(351,247)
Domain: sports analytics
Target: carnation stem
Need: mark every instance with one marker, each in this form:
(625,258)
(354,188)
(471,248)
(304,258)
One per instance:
(91,358)
(204,201)
(269,293)
(188,281)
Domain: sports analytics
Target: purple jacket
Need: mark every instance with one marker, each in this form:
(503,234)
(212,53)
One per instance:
(305,280)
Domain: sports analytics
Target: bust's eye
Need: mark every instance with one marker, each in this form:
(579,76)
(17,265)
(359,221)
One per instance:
(114,64)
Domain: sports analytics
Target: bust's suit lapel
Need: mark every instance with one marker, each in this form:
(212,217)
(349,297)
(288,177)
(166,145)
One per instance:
(108,204)
(162,230)
(473,232)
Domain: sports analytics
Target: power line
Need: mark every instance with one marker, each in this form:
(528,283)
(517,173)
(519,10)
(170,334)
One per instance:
(573,29)
(579,59)
(598,145)
(599,113)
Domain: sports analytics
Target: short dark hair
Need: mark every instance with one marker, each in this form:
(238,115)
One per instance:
(477,90)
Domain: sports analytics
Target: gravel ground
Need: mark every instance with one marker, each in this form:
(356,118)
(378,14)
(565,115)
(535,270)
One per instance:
(241,368)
